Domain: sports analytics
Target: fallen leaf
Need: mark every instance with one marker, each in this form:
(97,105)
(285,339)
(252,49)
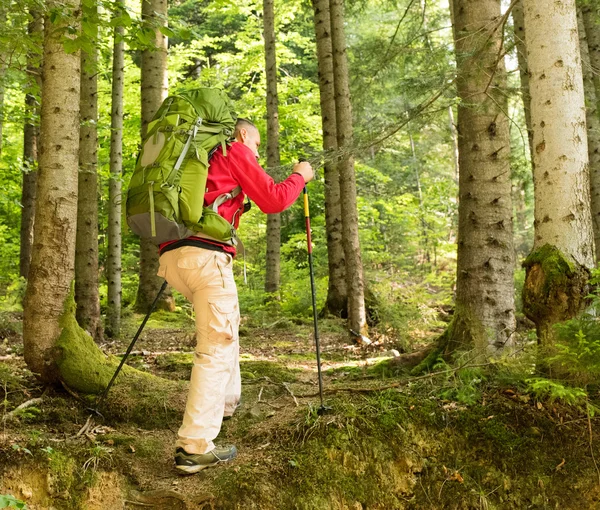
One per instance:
(540,406)
(131,448)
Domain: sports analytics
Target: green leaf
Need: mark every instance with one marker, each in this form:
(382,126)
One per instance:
(8,501)
(167,31)
(71,45)
(90,29)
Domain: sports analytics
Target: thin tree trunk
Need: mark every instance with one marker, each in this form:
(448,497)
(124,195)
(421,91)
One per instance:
(423,221)
(273,220)
(454,135)
(86,248)
(357,317)
(563,250)
(52,266)
(484,318)
(593,130)
(113,263)
(154,91)
(30,146)
(4,9)
(519,32)
(591,20)
(337,294)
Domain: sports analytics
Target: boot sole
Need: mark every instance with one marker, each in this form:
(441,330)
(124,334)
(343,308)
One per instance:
(190,470)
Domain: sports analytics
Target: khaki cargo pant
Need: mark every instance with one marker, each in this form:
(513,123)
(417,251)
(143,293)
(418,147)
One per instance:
(205,278)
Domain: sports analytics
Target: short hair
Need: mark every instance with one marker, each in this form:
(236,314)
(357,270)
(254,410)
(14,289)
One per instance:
(243,124)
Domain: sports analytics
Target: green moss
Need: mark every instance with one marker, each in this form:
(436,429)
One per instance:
(557,268)
(276,371)
(137,396)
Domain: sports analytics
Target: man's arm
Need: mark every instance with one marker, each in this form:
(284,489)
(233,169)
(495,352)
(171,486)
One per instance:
(270,197)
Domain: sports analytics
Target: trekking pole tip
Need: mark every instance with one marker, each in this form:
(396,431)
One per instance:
(323,409)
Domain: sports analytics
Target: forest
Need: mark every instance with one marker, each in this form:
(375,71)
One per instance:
(419,329)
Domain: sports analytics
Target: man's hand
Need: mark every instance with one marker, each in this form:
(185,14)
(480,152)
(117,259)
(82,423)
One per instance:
(305,170)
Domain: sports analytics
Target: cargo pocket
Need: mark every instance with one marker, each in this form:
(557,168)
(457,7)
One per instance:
(222,321)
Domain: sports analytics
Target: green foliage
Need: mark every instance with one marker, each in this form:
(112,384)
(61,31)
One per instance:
(8,501)
(543,388)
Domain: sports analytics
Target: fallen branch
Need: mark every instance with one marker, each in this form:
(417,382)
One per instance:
(290,392)
(13,414)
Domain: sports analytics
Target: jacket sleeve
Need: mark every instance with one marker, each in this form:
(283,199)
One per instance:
(271,198)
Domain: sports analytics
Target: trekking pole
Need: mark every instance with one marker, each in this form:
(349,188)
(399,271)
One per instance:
(129,349)
(323,408)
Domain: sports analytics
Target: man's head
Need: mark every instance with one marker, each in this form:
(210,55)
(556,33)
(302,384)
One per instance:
(247,133)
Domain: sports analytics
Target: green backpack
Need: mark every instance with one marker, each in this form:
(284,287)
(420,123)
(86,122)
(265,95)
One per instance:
(165,198)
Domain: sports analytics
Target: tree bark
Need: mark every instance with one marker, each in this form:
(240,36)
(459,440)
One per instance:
(357,319)
(154,92)
(563,251)
(591,20)
(272,277)
(337,294)
(519,33)
(30,146)
(52,266)
(87,295)
(4,9)
(593,130)
(484,318)
(113,262)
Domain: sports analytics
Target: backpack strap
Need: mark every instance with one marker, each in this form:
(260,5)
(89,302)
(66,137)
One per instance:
(221,199)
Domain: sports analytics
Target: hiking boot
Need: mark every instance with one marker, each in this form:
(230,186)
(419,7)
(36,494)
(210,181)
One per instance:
(194,462)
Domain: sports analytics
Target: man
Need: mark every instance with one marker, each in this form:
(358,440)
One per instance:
(200,268)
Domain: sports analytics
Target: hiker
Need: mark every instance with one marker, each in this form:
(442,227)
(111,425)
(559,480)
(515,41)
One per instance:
(200,267)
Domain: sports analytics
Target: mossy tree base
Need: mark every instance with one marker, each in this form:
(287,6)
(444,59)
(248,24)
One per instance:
(555,290)
(136,396)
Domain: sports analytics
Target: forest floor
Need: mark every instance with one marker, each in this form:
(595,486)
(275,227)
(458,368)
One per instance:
(456,440)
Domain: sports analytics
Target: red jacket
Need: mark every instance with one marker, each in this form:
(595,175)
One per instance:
(240,168)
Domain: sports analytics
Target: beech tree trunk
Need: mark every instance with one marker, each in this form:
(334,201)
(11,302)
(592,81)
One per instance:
(357,317)
(484,317)
(337,294)
(52,265)
(519,32)
(563,251)
(154,92)
(272,277)
(30,146)
(113,262)
(593,130)
(87,294)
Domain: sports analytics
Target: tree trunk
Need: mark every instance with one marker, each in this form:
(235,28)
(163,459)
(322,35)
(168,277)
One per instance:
(52,266)
(4,9)
(484,318)
(593,130)
(563,250)
(113,262)
(357,319)
(591,20)
(337,294)
(30,146)
(154,92)
(273,220)
(422,219)
(519,32)
(87,294)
